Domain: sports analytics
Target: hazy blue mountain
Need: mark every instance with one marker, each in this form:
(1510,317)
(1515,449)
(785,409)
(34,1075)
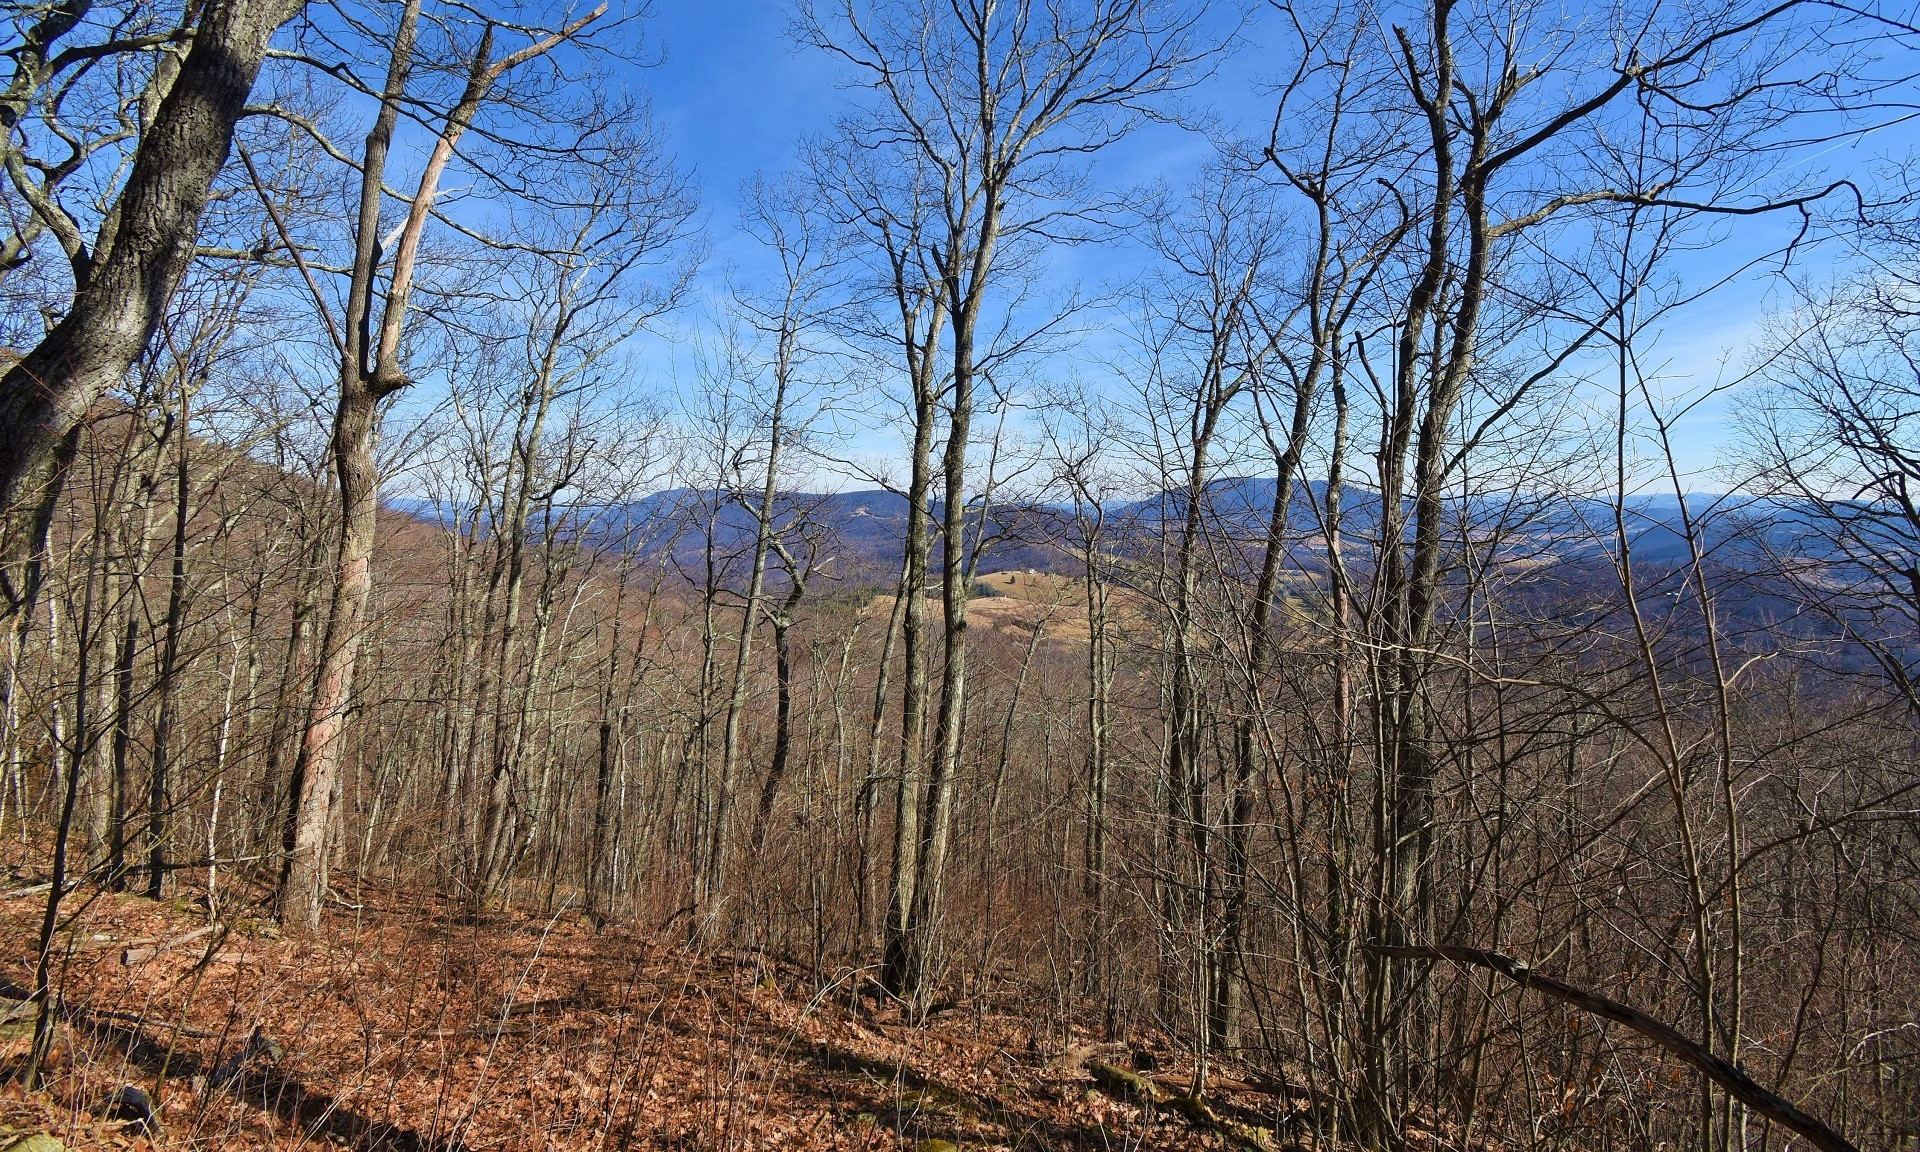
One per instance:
(856,537)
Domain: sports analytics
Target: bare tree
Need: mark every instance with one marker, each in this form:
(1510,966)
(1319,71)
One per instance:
(994,107)
(785,322)
(1835,442)
(144,242)
(371,370)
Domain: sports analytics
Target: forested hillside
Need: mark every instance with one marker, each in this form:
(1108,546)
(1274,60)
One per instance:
(1170,575)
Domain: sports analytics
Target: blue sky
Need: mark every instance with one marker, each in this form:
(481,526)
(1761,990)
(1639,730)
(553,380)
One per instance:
(736,97)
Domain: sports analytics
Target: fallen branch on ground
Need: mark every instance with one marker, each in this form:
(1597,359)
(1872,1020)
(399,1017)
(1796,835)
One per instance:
(1720,1070)
(140,950)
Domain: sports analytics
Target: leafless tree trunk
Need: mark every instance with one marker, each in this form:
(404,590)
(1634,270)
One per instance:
(139,257)
(980,102)
(371,371)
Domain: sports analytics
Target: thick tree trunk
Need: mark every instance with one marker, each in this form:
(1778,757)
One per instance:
(965,282)
(370,371)
(303,881)
(317,768)
(143,255)
(897,953)
(936,817)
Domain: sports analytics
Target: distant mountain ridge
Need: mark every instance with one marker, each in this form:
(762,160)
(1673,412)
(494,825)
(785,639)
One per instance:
(863,530)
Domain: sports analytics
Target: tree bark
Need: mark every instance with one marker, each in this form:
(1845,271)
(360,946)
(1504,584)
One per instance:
(148,245)
(168,676)
(370,371)
(303,881)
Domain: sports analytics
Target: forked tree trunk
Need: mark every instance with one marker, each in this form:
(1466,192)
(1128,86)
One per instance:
(304,880)
(370,371)
(316,770)
(782,620)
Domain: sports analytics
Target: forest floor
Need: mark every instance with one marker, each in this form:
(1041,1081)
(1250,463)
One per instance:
(399,1028)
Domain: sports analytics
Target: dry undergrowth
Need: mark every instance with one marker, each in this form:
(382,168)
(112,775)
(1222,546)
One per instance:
(401,1029)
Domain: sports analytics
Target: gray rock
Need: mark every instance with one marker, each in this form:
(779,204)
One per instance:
(133,1105)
